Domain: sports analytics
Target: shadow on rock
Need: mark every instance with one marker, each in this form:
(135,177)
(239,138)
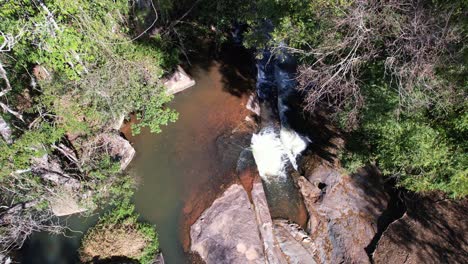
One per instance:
(433,230)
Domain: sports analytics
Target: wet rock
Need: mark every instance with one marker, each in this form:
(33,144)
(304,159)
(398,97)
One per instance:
(229,147)
(431,231)
(294,242)
(245,161)
(226,232)
(344,211)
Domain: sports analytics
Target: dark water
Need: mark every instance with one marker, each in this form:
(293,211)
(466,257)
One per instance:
(44,248)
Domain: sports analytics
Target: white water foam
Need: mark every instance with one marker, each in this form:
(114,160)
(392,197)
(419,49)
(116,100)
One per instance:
(293,143)
(269,155)
(272,151)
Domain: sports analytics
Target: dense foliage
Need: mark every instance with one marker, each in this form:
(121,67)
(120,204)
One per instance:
(70,71)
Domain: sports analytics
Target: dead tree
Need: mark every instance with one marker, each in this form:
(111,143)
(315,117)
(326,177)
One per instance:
(411,37)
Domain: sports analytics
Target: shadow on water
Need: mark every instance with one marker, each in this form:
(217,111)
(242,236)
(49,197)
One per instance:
(315,125)
(44,248)
(113,260)
(237,67)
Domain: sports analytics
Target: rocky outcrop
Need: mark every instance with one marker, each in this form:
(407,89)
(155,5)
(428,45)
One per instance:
(273,252)
(226,232)
(431,231)
(65,200)
(178,81)
(50,169)
(233,230)
(118,148)
(344,211)
(294,242)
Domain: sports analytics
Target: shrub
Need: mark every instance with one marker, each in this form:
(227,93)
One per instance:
(119,233)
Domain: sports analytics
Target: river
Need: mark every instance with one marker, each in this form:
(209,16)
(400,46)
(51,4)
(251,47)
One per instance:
(181,170)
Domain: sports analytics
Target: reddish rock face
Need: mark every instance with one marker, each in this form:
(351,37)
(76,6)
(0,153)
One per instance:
(344,210)
(431,231)
(226,232)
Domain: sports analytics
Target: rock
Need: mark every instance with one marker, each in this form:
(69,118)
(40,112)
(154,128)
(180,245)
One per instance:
(49,169)
(218,238)
(431,231)
(178,81)
(159,259)
(65,200)
(117,123)
(66,203)
(273,252)
(245,161)
(118,148)
(344,210)
(294,242)
(253,104)
(5,131)
(229,146)
(4,259)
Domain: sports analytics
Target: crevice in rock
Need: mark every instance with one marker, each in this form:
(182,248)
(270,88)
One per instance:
(395,210)
(321,185)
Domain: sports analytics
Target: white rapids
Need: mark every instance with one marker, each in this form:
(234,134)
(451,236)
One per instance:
(273,151)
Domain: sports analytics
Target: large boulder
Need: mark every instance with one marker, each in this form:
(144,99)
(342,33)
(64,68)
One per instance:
(117,147)
(227,231)
(344,211)
(432,230)
(178,81)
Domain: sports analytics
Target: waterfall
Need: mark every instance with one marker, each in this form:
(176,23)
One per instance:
(277,146)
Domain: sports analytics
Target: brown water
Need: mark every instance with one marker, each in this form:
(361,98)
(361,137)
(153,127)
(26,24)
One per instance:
(184,168)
